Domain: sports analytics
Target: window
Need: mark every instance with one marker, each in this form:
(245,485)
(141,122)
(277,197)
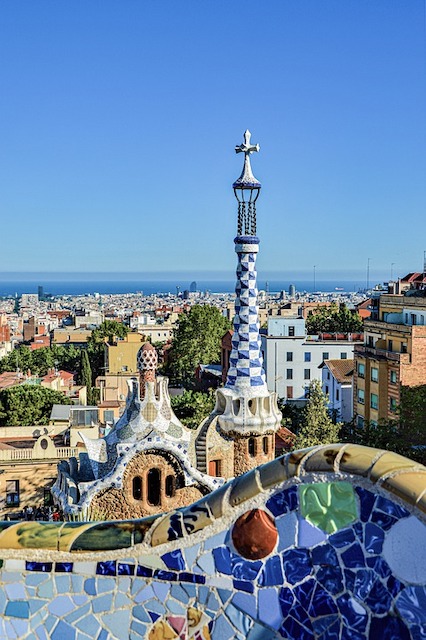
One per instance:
(289,356)
(343,355)
(215,468)
(404,347)
(374,374)
(361,370)
(360,421)
(289,393)
(374,401)
(325,355)
(109,416)
(12,493)
(328,375)
(171,485)
(307,374)
(291,331)
(390,345)
(392,405)
(361,396)
(265,444)
(252,447)
(371,341)
(154,487)
(326,389)
(393,377)
(307,356)
(337,395)
(137,488)
(413,318)
(289,374)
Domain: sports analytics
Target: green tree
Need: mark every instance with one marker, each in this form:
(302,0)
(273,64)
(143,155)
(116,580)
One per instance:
(317,425)
(108,331)
(86,375)
(28,405)
(333,319)
(193,406)
(197,340)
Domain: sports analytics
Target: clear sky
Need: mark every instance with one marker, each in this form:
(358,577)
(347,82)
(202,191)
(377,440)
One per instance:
(118,121)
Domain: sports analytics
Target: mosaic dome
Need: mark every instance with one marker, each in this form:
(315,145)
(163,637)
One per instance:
(147,358)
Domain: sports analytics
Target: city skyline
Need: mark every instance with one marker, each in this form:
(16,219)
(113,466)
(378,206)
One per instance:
(119,126)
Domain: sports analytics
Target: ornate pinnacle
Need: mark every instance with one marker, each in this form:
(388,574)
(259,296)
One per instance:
(247,179)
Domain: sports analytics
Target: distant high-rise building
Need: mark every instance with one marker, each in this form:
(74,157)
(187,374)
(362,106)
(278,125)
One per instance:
(292,290)
(40,292)
(193,287)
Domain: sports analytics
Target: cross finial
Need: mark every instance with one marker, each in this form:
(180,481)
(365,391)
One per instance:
(246,147)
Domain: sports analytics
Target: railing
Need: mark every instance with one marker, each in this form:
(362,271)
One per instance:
(382,353)
(60,453)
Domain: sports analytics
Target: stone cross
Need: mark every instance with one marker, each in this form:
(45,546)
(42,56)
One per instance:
(246,147)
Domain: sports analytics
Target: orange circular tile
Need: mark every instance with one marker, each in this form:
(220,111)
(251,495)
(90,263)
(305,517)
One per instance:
(254,534)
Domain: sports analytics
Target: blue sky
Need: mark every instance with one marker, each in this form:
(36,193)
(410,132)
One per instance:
(118,121)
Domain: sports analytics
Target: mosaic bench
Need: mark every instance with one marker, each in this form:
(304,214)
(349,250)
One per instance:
(326,543)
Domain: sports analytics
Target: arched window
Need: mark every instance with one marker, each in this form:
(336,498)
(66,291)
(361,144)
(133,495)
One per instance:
(170,486)
(154,487)
(252,447)
(265,445)
(137,488)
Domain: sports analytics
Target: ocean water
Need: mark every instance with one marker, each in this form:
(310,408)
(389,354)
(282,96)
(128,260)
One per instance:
(82,286)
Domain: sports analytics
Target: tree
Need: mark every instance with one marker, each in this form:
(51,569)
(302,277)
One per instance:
(28,404)
(318,427)
(86,375)
(197,340)
(192,407)
(108,331)
(333,319)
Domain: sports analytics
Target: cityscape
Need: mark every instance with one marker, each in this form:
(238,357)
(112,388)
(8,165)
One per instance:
(200,441)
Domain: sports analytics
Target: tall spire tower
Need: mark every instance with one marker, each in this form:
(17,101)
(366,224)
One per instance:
(248,410)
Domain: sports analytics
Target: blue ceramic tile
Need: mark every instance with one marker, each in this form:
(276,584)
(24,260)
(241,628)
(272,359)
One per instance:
(17,609)
(205,564)
(383,519)
(379,599)
(379,565)
(353,613)
(367,500)
(162,574)
(144,572)
(287,529)
(140,614)
(64,567)
(353,557)
(239,619)
(153,615)
(342,538)
(222,629)
(286,600)
(357,527)
(125,569)
(174,560)
(90,586)
(191,590)
(161,590)
(349,634)
(374,537)
(330,578)
(243,585)
(61,605)
(391,508)
(269,608)
(324,555)
(297,564)
(308,535)
(244,569)
(322,603)
(323,624)
(389,628)
(222,558)
(102,603)
(283,502)
(108,568)
(246,603)
(63,631)
(272,572)
(292,630)
(39,566)
(224,595)
(364,580)
(394,586)
(411,604)
(185,576)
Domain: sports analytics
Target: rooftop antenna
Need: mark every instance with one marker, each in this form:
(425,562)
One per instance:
(424,263)
(368,273)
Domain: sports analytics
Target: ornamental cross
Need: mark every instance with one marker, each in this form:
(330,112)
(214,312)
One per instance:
(246,147)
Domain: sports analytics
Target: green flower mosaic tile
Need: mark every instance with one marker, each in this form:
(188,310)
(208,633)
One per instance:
(328,505)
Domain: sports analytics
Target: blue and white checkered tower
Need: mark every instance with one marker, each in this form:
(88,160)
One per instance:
(245,402)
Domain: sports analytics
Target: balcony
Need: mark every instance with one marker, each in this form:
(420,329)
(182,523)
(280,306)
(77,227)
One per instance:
(381,354)
(22,455)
